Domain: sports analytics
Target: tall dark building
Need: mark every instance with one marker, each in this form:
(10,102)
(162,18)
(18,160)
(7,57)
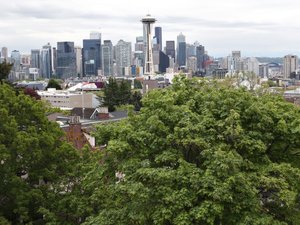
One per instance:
(35,58)
(170,49)
(163,62)
(107,58)
(200,54)
(158,36)
(66,60)
(91,56)
(181,58)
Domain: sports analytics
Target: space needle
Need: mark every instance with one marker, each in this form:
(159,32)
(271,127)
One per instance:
(148,22)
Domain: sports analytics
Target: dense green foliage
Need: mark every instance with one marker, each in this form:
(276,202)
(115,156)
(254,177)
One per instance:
(116,93)
(36,166)
(137,84)
(201,153)
(4,70)
(198,152)
(53,84)
(136,100)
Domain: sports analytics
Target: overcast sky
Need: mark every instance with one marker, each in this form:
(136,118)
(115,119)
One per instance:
(256,27)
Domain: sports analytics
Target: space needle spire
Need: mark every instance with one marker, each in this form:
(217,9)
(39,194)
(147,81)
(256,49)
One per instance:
(148,22)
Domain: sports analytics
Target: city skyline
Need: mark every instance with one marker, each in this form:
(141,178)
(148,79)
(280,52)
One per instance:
(257,28)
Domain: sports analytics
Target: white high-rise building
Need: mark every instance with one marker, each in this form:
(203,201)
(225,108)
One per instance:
(16,60)
(4,53)
(252,65)
(235,62)
(148,22)
(192,63)
(123,56)
(290,65)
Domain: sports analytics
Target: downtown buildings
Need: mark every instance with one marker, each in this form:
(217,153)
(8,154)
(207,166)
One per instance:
(104,58)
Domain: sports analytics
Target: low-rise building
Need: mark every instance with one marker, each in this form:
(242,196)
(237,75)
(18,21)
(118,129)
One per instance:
(293,96)
(69,100)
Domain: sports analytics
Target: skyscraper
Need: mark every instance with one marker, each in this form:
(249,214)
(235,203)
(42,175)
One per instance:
(192,63)
(92,55)
(235,62)
(180,38)
(123,56)
(148,22)
(200,52)
(16,60)
(139,44)
(190,50)
(181,50)
(78,51)
(35,58)
(66,60)
(163,62)
(158,36)
(139,52)
(170,49)
(4,53)
(46,61)
(181,57)
(290,65)
(54,60)
(107,58)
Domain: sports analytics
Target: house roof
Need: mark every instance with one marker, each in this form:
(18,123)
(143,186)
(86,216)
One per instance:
(88,112)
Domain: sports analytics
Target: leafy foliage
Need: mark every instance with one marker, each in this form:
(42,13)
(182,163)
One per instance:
(116,94)
(5,68)
(32,93)
(136,100)
(35,165)
(137,84)
(201,153)
(111,93)
(53,84)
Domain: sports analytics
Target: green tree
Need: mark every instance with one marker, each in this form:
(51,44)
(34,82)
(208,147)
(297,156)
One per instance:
(110,98)
(137,84)
(201,153)
(271,83)
(53,84)
(136,100)
(5,70)
(36,166)
(124,94)
(116,94)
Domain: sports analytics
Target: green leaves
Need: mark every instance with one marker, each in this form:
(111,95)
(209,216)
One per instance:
(116,94)
(5,69)
(33,159)
(202,153)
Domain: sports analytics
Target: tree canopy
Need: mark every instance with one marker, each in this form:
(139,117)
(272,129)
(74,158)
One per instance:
(36,166)
(53,84)
(116,93)
(197,153)
(202,153)
(5,68)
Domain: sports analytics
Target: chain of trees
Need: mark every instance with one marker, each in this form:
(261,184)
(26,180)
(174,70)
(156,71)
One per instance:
(119,93)
(197,153)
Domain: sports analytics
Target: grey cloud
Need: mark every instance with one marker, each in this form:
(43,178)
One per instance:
(193,21)
(49,11)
